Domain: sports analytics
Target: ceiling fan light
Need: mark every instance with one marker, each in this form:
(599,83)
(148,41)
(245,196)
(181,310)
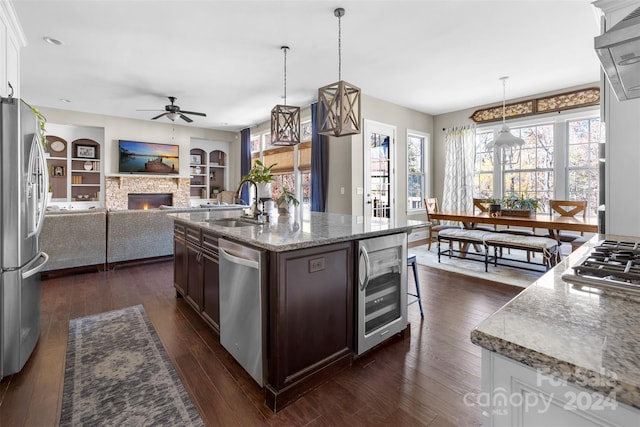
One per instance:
(339,103)
(172,116)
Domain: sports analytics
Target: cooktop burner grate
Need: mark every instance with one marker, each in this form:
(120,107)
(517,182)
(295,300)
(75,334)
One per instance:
(610,262)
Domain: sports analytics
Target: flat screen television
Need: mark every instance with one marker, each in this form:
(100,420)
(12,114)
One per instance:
(147,157)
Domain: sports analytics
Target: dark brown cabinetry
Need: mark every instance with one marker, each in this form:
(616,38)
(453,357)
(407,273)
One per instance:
(311,319)
(196,271)
(210,279)
(309,304)
(179,259)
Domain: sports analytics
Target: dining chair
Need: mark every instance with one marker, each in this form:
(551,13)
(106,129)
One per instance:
(431,204)
(569,208)
(482,205)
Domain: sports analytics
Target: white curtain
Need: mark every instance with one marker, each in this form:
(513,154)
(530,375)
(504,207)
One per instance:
(458,169)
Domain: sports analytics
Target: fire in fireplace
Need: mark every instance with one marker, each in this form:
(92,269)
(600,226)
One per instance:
(149,200)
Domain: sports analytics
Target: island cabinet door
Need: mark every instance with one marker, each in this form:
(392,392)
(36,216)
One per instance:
(310,318)
(194,276)
(210,281)
(179,262)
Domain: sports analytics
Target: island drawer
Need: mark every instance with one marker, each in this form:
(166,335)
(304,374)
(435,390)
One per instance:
(179,229)
(210,242)
(193,235)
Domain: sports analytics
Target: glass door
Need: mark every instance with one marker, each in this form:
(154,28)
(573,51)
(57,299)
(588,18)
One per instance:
(379,145)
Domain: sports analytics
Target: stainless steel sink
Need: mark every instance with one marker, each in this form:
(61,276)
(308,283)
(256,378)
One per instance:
(231,222)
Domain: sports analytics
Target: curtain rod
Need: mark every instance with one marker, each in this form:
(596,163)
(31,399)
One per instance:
(455,128)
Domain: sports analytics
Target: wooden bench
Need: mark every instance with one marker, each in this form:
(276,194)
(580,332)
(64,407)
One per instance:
(548,248)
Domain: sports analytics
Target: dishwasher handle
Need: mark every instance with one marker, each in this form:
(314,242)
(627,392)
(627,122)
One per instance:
(238,260)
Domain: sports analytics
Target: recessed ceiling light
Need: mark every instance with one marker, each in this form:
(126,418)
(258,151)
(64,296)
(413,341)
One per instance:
(65,100)
(53,41)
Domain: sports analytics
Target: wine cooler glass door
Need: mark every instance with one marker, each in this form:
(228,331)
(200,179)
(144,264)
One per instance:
(382,284)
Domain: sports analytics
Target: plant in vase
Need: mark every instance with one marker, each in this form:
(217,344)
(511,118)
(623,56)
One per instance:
(285,200)
(495,206)
(520,204)
(262,176)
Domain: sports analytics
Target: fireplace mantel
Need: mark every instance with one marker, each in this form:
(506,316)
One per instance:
(121,177)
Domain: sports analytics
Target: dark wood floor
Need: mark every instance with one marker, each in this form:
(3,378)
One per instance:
(420,380)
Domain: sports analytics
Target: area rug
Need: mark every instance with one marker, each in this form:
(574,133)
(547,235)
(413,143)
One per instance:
(118,373)
(503,274)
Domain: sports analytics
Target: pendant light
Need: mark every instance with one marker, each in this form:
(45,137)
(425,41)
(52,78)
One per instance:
(507,145)
(339,103)
(285,119)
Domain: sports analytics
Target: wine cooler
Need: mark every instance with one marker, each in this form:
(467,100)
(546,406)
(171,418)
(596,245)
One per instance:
(382,289)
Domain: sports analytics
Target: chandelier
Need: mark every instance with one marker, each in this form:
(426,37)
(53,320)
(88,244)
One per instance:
(339,103)
(285,119)
(507,145)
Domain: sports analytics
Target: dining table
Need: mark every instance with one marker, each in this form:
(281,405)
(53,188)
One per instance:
(552,223)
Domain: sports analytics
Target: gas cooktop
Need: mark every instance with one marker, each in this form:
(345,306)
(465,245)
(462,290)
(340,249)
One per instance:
(611,264)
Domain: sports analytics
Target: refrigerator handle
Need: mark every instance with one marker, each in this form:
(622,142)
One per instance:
(36,269)
(44,189)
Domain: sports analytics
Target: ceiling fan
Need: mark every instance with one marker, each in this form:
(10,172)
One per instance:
(173,111)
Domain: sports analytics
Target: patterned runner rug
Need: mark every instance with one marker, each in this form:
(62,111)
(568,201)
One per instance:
(118,373)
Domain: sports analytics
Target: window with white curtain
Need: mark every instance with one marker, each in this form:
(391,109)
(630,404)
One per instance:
(559,160)
(417,156)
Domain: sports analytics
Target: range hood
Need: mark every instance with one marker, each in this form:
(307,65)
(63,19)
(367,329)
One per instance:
(619,52)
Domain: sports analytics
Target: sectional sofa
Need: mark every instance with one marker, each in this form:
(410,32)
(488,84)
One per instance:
(101,239)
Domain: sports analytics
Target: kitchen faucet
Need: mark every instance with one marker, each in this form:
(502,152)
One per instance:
(256,212)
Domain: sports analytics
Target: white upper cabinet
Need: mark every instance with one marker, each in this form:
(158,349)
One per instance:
(11,40)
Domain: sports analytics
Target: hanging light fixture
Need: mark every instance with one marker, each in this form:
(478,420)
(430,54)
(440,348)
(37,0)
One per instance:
(508,146)
(285,119)
(339,103)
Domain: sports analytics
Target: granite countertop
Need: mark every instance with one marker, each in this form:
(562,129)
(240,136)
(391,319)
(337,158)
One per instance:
(302,230)
(590,338)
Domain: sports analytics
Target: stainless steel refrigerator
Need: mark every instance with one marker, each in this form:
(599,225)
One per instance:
(23,196)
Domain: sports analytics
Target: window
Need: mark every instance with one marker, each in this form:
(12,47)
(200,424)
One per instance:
(571,138)
(289,171)
(417,150)
(582,161)
(483,179)
(533,175)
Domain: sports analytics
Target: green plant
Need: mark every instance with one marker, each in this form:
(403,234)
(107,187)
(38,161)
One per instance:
(259,173)
(42,121)
(493,201)
(515,201)
(287,197)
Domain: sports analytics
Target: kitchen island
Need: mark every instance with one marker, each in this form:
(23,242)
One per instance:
(302,297)
(562,354)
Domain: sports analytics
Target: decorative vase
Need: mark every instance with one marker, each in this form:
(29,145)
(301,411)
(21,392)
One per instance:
(88,165)
(494,209)
(264,190)
(285,209)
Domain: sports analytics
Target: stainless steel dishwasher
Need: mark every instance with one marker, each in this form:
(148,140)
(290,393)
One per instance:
(242,315)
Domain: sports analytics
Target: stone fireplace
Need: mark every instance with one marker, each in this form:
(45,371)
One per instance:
(148,200)
(118,189)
